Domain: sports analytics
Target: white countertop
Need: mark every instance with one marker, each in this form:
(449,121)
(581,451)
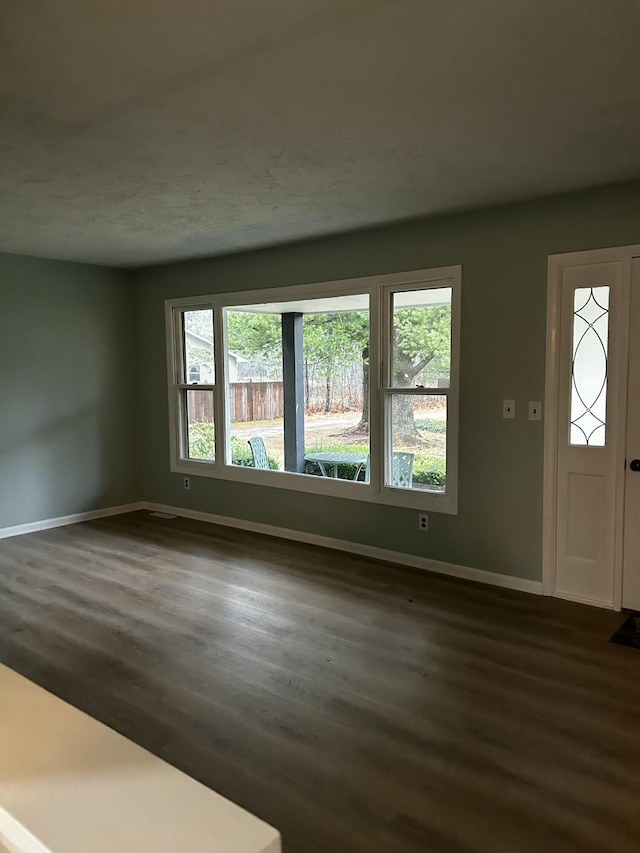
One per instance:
(69,784)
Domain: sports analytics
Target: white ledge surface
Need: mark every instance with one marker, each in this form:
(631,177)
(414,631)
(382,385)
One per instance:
(69,784)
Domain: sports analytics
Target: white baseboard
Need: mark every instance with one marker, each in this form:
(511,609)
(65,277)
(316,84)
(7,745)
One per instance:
(399,557)
(442,568)
(581,599)
(63,520)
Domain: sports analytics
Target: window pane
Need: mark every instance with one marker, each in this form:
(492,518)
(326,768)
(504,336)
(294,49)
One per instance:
(418,442)
(198,347)
(316,352)
(421,349)
(337,388)
(255,388)
(200,429)
(589,368)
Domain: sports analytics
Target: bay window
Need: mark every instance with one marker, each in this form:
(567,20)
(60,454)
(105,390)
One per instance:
(345,388)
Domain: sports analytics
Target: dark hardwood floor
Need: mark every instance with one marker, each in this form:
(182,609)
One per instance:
(354,705)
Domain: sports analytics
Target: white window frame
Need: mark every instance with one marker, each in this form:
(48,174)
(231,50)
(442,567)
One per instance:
(178,386)
(379,289)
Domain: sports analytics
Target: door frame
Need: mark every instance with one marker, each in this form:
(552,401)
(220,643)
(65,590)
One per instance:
(556,264)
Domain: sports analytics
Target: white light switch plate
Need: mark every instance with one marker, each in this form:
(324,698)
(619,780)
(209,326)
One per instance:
(508,408)
(535,410)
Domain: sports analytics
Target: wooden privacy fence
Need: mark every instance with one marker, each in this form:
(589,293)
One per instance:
(249,401)
(256,401)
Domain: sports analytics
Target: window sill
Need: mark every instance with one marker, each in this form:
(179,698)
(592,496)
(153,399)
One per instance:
(431,501)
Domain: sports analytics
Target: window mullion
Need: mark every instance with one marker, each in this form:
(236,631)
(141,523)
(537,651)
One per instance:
(376,430)
(418,392)
(220,407)
(195,386)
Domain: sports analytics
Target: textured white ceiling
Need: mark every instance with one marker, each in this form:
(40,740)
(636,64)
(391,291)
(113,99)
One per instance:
(154,130)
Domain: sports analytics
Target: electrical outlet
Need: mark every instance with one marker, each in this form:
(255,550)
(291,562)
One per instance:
(509,409)
(423,521)
(187,483)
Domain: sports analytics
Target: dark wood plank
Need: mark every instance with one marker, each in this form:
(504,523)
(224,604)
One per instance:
(357,706)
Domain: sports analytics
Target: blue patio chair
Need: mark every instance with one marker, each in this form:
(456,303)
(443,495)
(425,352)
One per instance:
(401,469)
(259,452)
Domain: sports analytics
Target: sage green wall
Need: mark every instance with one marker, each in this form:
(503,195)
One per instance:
(68,385)
(504,253)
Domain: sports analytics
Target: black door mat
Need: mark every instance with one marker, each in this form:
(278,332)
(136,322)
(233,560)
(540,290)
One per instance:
(628,634)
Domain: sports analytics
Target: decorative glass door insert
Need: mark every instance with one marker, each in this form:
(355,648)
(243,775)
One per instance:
(588,413)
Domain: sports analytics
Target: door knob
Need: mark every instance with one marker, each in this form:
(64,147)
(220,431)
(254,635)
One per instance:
(635,465)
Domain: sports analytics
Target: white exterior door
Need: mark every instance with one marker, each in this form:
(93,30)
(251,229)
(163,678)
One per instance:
(631,571)
(589,435)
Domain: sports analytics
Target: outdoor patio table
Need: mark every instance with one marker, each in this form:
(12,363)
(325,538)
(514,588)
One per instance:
(336,458)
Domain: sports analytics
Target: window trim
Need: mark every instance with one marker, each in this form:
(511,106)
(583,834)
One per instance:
(379,289)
